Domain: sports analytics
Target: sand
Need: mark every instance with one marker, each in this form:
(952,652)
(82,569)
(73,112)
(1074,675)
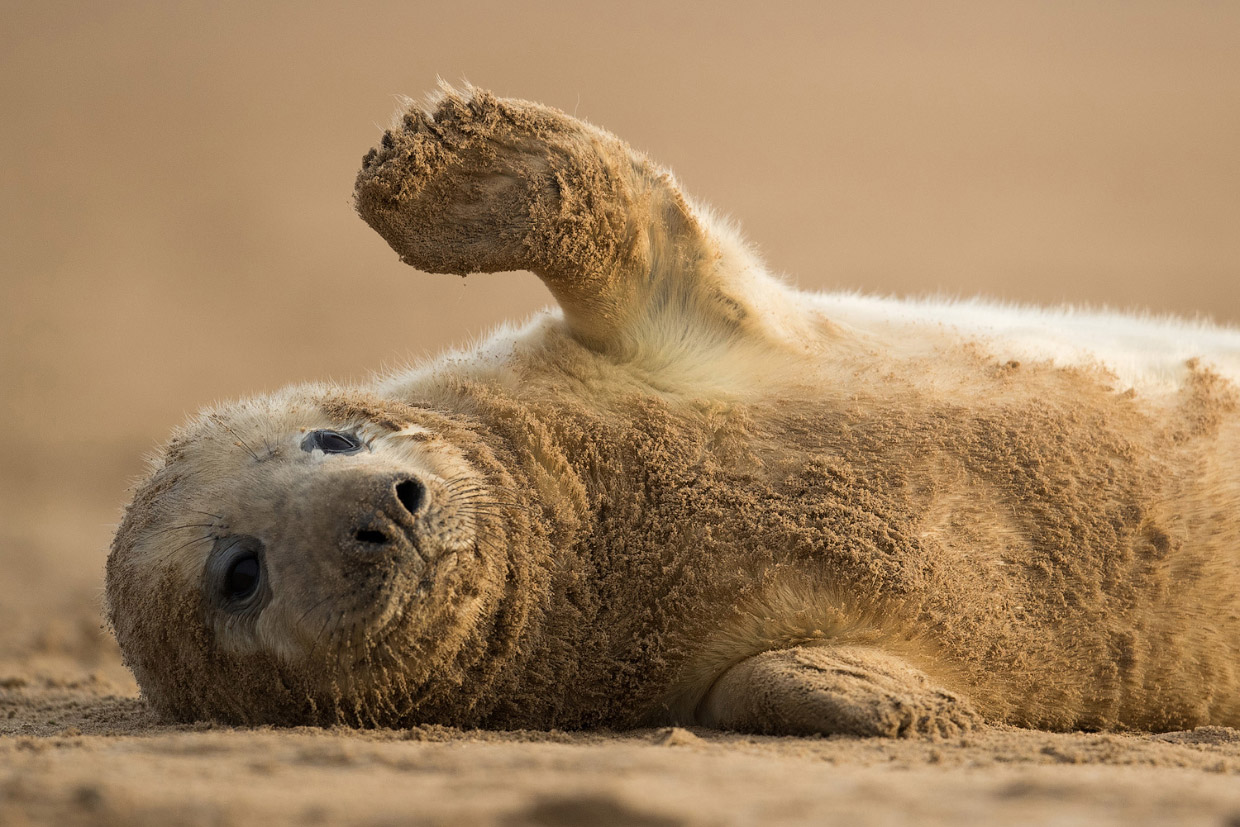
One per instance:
(77,747)
(173,234)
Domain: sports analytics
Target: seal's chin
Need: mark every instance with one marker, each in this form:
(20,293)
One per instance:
(403,612)
(341,628)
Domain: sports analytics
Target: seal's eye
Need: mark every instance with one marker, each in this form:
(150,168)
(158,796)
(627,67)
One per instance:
(241,580)
(331,442)
(235,574)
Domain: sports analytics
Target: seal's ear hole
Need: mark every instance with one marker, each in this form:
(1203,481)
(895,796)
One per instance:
(368,536)
(410,493)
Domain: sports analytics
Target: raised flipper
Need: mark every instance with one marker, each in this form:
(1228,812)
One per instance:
(828,690)
(474,183)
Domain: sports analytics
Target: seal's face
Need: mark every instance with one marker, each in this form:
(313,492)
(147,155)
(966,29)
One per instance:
(321,541)
(306,549)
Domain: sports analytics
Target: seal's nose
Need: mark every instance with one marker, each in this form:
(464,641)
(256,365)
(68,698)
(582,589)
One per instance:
(371,536)
(410,494)
(392,515)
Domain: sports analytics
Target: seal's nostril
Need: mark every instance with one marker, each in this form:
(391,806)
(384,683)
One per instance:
(410,494)
(369,536)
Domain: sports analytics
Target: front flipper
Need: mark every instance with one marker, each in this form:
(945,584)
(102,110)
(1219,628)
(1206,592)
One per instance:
(829,690)
(475,183)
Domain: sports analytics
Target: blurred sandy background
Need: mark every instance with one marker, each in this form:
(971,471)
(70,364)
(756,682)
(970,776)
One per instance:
(177,226)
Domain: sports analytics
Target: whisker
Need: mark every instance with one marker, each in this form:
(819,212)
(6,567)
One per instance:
(186,544)
(486,549)
(468,487)
(488,542)
(171,528)
(481,512)
(488,513)
(312,608)
(475,495)
(319,637)
(241,443)
(496,503)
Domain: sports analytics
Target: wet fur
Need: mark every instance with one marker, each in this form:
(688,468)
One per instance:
(694,465)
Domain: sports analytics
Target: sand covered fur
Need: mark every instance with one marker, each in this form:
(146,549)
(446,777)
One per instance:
(695,496)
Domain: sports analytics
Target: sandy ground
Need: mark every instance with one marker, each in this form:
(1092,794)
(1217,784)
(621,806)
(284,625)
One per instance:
(175,228)
(76,747)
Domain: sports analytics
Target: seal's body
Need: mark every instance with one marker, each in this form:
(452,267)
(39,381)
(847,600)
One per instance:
(694,495)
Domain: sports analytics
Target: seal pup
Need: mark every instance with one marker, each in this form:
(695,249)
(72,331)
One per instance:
(692,494)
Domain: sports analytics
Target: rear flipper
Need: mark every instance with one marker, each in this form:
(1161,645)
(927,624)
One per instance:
(829,690)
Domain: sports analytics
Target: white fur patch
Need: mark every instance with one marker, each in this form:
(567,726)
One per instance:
(1146,353)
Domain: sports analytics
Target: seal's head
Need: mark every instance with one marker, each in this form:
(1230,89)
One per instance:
(316,557)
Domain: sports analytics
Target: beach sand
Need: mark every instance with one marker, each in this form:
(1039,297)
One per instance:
(78,747)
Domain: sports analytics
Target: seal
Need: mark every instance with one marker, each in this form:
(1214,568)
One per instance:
(691,494)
